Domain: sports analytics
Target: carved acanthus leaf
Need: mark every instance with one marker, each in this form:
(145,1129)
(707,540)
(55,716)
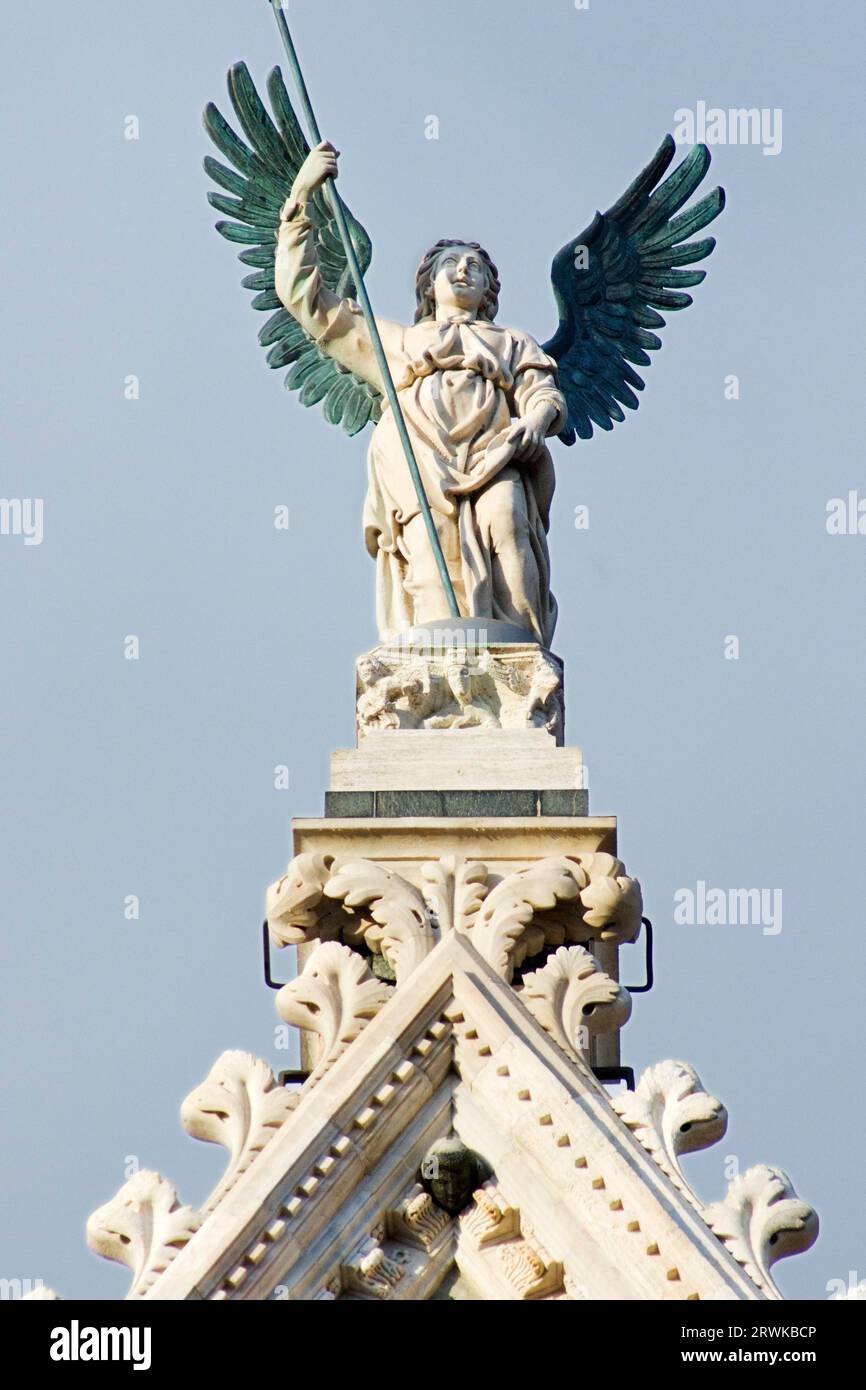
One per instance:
(454,891)
(400,928)
(144,1227)
(239,1105)
(670,1114)
(557,900)
(504,931)
(761,1220)
(573,999)
(293,902)
(335,995)
(611,901)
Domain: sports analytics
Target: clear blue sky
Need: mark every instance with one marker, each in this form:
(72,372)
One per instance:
(707,519)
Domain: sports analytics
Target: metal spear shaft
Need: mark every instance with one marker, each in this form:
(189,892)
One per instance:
(339,212)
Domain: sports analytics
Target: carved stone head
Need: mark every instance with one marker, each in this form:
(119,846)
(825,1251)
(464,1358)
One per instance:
(450,1173)
(432,265)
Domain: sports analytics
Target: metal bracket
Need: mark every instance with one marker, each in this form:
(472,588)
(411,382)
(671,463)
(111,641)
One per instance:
(625,1074)
(648,940)
(266,951)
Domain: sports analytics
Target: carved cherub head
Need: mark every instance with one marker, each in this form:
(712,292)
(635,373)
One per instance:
(460,277)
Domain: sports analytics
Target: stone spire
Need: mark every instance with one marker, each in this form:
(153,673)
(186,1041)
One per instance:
(458,916)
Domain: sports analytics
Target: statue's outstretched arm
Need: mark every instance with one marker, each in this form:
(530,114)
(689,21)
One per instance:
(336,325)
(261,167)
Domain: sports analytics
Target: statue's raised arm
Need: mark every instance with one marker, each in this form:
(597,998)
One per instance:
(261,179)
(335,324)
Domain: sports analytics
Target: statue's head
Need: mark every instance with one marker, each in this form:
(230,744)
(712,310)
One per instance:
(450,1173)
(457,275)
(459,676)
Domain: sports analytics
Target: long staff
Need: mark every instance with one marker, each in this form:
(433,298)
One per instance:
(339,212)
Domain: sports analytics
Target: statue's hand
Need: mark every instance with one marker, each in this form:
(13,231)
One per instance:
(319,165)
(529,433)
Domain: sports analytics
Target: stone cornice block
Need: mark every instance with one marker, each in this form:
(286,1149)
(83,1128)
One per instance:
(488,760)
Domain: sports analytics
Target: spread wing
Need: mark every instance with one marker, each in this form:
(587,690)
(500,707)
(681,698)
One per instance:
(258,185)
(610,282)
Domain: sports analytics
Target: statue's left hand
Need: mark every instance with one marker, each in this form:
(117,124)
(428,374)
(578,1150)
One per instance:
(528,434)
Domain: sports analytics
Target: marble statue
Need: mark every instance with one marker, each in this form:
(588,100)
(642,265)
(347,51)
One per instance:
(480,400)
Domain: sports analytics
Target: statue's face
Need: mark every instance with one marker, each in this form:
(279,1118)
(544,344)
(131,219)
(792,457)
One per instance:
(459,678)
(460,281)
(450,1174)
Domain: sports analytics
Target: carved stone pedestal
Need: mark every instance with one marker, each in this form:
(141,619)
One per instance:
(509,685)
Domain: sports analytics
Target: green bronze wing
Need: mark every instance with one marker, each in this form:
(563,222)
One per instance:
(258,184)
(610,282)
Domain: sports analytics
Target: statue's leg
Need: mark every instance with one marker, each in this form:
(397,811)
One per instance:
(504,527)
(423,583)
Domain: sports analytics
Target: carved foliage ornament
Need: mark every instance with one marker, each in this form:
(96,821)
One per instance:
(555,901)
(531,1273)
(371,1271)
(670,1114)
(143,1226)
(335,996)
(239,1105)
(761,1220)
(573,999)
(418,1219)
(491,1220)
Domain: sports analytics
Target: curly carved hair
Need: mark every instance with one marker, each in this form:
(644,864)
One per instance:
(424,293)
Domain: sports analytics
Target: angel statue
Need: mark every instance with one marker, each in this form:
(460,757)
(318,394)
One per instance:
(480,400)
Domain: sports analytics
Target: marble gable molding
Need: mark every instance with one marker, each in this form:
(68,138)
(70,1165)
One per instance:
(454,1048)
